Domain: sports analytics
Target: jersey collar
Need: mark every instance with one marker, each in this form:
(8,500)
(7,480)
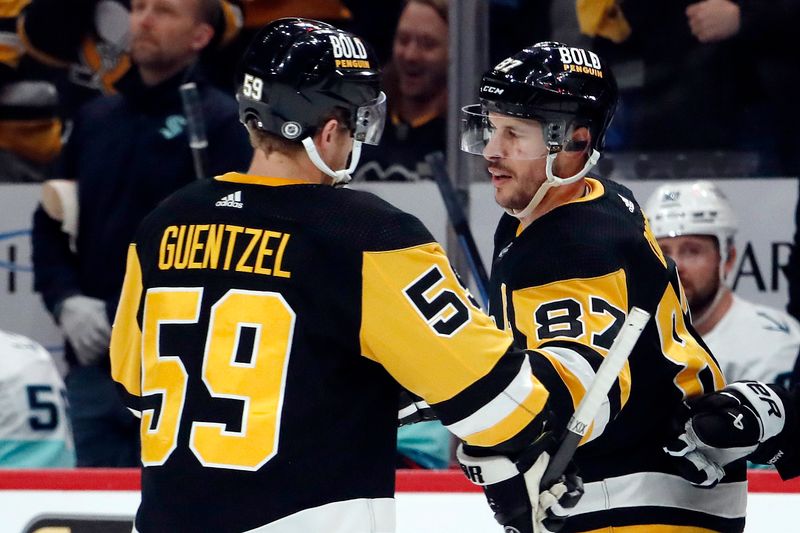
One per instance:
(271,181)
(594,190)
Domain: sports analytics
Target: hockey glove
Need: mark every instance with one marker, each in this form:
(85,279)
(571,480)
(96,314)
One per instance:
(719,428)
(413,409)
(512,488)
(85,324)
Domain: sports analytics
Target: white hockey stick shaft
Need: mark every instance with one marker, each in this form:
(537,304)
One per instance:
(595,395)
(196,128)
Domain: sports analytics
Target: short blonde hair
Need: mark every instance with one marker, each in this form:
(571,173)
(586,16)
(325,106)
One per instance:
(271,143)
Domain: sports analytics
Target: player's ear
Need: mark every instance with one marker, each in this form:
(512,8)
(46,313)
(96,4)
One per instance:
(579,140)
(327,133)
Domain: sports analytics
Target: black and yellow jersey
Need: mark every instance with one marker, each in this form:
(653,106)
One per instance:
(263,328)
(563,286)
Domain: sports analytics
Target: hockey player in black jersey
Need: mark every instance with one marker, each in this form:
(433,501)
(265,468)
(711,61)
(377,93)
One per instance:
(267,318)
(573,254)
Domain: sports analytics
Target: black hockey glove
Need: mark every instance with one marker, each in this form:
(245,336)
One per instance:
(716,429)
(412,409)
(512,488)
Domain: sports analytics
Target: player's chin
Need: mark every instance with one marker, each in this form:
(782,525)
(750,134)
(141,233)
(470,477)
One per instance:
(505,201)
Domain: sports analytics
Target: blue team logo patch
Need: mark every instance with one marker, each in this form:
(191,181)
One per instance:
(173,126)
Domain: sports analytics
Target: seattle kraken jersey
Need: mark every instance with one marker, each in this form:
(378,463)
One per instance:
(563,286)
(263,327)
(34,432)
(753,341)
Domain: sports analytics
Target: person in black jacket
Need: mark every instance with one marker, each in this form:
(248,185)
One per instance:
(126,153)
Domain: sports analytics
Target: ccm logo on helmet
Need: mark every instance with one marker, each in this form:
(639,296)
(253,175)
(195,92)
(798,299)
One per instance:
(349,52)
(492,90)
(580,60)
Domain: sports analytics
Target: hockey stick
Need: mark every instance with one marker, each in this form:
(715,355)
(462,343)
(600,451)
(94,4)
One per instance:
(590,403)
(196,127)
(460,224)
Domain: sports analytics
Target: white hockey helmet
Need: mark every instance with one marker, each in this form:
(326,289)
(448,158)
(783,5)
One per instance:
(692,208)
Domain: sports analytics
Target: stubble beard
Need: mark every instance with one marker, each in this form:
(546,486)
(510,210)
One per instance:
(701,300)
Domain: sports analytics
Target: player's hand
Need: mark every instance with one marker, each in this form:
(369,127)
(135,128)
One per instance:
(85,324)
(718,428)
(412,409)
(514,493)
(714,20)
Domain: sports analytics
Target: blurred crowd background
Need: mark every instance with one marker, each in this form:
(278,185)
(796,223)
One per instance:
(707,87)
(89,95)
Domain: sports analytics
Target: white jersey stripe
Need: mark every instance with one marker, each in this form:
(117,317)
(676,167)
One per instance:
(584,372)
(654,489)
(362,515)
(405,411)
(500,407)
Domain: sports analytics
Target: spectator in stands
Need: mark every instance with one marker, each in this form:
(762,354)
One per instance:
(30,129)
(89,42)
(686,87)
(764,34)
(34,431)
(416,88)
(695,226)
(719,84)
(372,20)
(127,152)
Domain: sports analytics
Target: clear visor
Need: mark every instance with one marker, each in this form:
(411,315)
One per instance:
(493,134)
(370,119)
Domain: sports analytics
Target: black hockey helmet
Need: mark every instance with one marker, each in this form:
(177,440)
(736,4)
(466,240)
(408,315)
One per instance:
(557,85)
(296,71)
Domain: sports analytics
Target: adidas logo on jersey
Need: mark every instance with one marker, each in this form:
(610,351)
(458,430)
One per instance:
(231,200)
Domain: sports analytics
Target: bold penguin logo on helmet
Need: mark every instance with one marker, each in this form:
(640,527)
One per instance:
(308,69)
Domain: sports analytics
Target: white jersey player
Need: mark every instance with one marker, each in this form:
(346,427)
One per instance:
(34,431)
(755,342)
(695,226)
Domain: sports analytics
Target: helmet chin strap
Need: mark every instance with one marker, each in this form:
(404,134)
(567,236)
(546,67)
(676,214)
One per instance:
(553,181)
(340,177)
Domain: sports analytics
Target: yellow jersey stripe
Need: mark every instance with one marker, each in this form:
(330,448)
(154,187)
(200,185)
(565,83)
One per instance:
(237,177)
(126,338)
(504,404)
(515,422)
(578,375)
(652,528)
